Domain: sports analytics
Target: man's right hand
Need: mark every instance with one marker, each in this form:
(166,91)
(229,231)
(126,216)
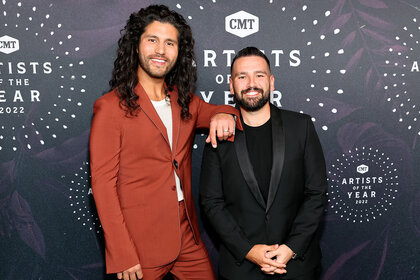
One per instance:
(257,256)
(133,273)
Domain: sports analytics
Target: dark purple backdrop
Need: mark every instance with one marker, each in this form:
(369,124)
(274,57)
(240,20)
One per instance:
(350,64)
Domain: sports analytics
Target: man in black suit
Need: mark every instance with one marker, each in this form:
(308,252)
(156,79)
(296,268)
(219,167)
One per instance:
(265,193)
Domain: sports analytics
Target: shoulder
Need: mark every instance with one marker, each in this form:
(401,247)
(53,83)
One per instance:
(109,101)
(293,122)
(292,114)
(108,104)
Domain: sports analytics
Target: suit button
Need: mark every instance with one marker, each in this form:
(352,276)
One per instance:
(176,164)
(267,218)
(173,188)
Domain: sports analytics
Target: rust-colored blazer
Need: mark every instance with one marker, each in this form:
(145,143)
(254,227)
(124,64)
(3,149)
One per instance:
(133,180)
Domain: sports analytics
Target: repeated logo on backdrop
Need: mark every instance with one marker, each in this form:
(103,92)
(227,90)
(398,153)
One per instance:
(39,94)
(353,65)
(363,185)
(242,24)
(8,44)
(18,93)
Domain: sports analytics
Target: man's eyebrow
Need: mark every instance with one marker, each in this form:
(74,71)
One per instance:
(172,40)
(261,71)
(157,37)
(258,71)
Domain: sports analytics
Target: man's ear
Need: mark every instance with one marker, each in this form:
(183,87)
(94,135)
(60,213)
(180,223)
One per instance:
(272,82)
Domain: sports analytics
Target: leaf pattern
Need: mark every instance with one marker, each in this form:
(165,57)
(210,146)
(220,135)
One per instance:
(376,4)
(20,218)
(349,39)
(375,21)
(26,226)
(341,261)
(351,65)
(377,36)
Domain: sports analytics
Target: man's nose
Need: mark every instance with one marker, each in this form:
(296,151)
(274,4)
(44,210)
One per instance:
(251,81)
(160,48)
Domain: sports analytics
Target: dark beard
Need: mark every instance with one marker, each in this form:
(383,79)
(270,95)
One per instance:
(254,106)
(150,73)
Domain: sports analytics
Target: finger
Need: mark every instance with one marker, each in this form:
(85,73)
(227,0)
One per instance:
(231,132)
(272,270)
(119,275)
(268,269)
(212,135)
(231,128)
(274,263)
(133,276)
(280,271)
(271,251)
(139,274)
(126,275)
(226,133)
(270,254)
(220,131)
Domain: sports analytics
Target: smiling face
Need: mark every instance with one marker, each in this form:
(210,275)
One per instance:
(251,82)
(158,49)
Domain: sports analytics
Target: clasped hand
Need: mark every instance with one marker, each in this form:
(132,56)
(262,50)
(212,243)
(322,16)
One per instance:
(271,258)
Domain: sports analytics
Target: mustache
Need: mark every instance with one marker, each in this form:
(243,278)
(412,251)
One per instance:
(158,57)
(252,89)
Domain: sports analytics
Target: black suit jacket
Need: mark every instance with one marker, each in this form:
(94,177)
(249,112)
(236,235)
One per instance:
(234,205)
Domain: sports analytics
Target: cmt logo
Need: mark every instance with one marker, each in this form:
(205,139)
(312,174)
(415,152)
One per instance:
(242,24)
(8,44)
(362,169)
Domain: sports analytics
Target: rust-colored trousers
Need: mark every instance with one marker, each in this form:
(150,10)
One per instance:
(193,262)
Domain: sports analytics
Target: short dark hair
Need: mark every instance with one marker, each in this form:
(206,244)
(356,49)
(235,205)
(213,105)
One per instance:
(183,74)
(249,51)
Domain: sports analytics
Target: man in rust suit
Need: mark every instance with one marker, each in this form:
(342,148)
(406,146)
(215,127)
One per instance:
(141,144)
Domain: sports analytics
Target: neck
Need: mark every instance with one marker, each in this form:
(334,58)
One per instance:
(154,87)
(256,118)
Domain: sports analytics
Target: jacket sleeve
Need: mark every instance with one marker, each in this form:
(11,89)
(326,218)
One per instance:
(105,145)
(310,213)
(214,206)
(206,111)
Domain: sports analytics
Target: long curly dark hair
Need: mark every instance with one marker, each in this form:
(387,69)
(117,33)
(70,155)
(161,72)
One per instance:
(183,74)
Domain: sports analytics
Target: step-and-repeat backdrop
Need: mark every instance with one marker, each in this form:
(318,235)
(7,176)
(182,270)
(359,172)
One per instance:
(353,65)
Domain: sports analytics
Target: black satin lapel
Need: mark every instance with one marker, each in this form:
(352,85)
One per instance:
(278,154)
(246,167)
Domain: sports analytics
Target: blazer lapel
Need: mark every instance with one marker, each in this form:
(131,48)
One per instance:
(246,167)
(147,107)
(278,154)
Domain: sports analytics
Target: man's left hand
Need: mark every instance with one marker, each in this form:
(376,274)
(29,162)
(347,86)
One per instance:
(222,126)
(283,254)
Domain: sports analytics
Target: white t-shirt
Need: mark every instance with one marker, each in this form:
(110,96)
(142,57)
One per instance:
(163,108)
